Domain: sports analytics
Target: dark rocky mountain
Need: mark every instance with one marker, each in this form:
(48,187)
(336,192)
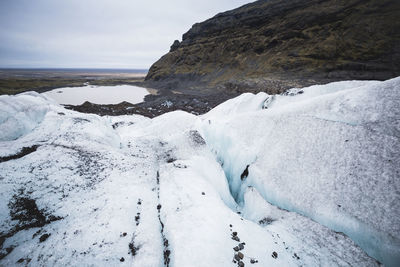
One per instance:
(271,45)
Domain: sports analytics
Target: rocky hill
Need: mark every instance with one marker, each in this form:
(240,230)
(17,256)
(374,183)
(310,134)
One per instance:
(271,45)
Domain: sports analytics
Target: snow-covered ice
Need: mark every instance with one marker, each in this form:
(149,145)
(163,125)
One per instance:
(20,114)
(307,178)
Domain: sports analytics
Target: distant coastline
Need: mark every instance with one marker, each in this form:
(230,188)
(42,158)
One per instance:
(17,80)
(76,69)
(12,72)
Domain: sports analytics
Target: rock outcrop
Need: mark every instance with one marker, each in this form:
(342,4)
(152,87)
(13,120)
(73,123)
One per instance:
(270,45)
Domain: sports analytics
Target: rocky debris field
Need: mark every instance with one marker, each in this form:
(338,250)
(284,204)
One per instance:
(156,105)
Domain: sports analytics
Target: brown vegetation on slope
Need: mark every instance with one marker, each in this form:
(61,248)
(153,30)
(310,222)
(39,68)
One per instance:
(275,44)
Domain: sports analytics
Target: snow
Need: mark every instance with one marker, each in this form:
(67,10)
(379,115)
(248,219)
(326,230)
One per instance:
(20,114)
(285,174)
(98,94)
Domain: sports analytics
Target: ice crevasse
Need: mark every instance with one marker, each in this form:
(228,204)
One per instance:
(328,152)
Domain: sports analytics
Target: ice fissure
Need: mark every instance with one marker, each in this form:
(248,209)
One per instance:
(166,249)
(245,173)
(284,151)
(369,239)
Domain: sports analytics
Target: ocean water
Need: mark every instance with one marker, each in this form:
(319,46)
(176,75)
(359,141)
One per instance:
(67,72)
(98,94)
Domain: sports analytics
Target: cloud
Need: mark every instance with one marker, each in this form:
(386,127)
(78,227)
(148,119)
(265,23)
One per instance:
(97,33)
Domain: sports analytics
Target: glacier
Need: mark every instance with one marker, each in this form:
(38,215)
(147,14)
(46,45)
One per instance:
(309,177)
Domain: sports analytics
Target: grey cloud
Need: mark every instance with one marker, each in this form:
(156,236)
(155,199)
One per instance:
(96,33)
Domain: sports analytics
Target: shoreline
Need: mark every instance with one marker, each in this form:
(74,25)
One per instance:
(157,102)
(164,96)
(18,81)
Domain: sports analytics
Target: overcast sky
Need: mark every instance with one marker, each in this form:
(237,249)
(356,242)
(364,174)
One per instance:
(97,33)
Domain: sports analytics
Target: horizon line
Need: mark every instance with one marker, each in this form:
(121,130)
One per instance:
(72,68)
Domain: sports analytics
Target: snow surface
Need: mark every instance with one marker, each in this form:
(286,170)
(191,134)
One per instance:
(308,178)
(98,94)
(21,114)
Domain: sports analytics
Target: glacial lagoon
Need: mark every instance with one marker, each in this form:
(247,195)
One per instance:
(98,94)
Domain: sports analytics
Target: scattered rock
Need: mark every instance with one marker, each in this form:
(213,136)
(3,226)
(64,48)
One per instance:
(241,246)
(240,254)
(236,238)
(203,193)
(241,264)
(117,124)
(124,234)
(274,255)
(159,207)
(122,259)
(170,160)
(44,237)
(236,257)
(166,257)
(252,261)
(21,260)
(236,248)
(36,233)
(132,248)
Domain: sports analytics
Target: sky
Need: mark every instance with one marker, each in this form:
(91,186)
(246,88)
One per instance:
(97,33)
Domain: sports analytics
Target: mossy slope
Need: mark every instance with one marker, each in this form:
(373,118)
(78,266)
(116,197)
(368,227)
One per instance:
(286,40)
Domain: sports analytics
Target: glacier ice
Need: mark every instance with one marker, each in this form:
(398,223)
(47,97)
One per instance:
(331,154)
(285,175)
(21,114)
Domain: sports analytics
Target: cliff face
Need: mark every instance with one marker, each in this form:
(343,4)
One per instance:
(285,40)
